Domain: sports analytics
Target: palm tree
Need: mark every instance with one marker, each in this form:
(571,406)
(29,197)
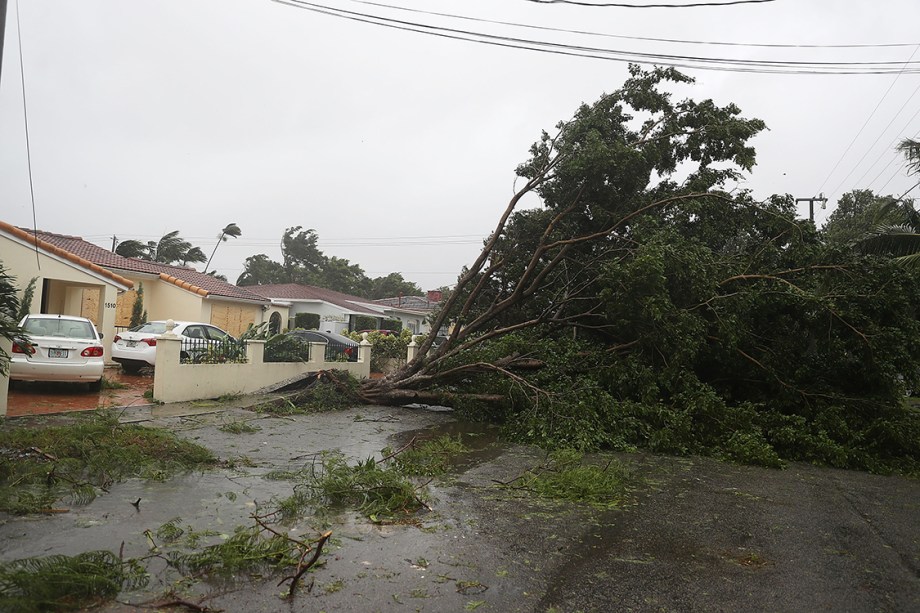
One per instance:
(170,249)
(900,236)
(195,254)
(231,230)
(9,307)
(911,150)
(133,249)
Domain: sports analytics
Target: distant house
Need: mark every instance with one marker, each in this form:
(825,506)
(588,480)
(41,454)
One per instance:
(63,279)
(338,311)
(420,304)
(170,292)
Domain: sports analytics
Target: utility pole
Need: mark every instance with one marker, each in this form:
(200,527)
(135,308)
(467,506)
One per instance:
(2,30)
(811,204)
(114,238)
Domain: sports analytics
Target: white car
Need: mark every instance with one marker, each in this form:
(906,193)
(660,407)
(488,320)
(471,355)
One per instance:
(136,348)
(58,348)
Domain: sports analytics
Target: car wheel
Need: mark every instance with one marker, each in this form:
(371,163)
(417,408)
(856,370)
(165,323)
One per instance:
(131,368)
(95,386)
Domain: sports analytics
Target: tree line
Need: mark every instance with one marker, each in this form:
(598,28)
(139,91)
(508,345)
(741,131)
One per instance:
(302,262)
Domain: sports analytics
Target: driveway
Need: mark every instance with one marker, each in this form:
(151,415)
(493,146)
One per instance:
(698,535)
(47,398)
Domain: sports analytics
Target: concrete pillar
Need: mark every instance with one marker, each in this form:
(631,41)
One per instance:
(412,349)
(317,353)
(255,352)
(364,350)
(169,346)
(108,299)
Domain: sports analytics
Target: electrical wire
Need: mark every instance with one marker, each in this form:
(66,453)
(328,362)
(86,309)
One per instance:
(875,142)
(640,38)
(882,171)
(673,60)
(891,146)
(25,117)
(866,123)
(624,5)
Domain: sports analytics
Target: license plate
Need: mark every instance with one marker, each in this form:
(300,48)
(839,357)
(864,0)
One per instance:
(57,353)
(131,343)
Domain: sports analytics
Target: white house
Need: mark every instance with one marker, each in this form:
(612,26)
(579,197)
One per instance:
(337,311)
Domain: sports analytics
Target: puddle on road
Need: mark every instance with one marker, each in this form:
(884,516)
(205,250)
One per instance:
(45,398)
(364,562)
(481,440)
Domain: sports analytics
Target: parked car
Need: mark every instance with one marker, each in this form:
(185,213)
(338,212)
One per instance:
(338,348)
(58,348)
(137,347)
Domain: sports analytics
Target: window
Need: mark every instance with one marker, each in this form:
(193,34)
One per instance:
(215,334)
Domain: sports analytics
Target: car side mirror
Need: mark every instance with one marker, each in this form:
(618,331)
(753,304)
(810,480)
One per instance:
(101,336)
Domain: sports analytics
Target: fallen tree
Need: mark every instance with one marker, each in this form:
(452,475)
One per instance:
(632,310)
(602,170)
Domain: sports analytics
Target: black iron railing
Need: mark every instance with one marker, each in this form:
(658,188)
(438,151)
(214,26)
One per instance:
(202,351)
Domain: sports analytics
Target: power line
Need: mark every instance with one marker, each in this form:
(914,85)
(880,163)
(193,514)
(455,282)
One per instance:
(875,142)
(891,178)
(673,60)
(891,146)
(865,123)
(640,38)
(624,5)
(25,118)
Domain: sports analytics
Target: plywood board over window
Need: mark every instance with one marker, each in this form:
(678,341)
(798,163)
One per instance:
(123,307)
(234,318)
(89,308)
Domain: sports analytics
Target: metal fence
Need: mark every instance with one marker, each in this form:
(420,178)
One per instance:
(203,351)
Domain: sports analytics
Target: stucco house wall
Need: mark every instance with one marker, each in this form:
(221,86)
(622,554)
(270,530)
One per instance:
(62,280)
(331,318)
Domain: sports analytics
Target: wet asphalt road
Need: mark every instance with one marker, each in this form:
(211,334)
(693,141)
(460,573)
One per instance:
(698,535)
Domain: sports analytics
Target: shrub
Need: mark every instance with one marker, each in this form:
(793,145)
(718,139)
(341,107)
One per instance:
(307,321)
(385,347)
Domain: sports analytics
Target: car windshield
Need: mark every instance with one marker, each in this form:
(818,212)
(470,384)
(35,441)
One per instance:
(66,328)
(151,327)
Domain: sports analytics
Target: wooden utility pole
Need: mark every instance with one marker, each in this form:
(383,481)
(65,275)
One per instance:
(811,205)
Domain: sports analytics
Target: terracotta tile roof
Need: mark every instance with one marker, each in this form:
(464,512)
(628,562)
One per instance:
(41,241)
(186,278)
(295,291)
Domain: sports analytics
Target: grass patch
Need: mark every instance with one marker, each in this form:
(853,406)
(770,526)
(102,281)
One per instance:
(238,427)
(41,466)
(382,490)
(429,458)
(247,550)
(566,477)
(379,492)
(112,384)
(66,583)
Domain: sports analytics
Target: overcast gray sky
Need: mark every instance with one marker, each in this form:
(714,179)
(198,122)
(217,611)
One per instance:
(398,148)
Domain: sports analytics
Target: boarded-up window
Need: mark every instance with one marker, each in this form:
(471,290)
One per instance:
(123,307)
(234,318)
(90,306)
